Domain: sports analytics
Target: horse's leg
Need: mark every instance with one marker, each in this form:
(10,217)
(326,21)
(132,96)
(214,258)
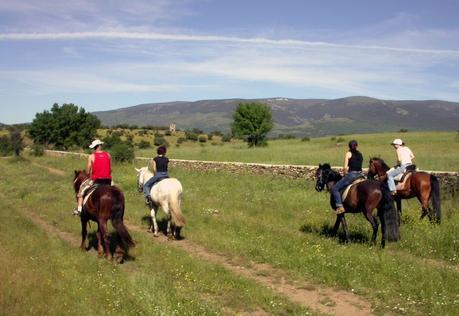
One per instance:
(425,210)
(84,232)
(105,238)
(383,229)
(154,224)
(346,229)
(374,224)
(100,248)
(398,201)
(337,222)
(165,207)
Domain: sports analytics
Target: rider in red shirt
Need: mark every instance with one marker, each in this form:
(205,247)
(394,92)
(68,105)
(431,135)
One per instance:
(99,167)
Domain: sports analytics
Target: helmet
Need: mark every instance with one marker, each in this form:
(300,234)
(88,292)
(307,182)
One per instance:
(397,141)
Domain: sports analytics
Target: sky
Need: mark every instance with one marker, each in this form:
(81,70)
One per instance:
(108,54)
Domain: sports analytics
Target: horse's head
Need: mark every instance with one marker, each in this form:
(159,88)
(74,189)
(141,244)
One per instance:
(80,176)
(323,175)
(378,167)
(141,178)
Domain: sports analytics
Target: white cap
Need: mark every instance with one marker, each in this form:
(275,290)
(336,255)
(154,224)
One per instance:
(95,143)
(397,141)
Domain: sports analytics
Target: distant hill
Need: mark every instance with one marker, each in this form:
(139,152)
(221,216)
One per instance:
(314,117)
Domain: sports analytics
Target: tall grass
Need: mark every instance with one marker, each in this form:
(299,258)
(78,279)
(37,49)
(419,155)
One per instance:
(284,223)
(43,275)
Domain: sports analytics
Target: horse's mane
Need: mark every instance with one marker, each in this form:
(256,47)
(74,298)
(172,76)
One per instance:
(381,161)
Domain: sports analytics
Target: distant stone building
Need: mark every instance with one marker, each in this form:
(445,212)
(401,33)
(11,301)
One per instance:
(172,127)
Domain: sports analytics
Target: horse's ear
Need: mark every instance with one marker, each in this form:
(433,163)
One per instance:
(76,172)
(320,165)
(138,170)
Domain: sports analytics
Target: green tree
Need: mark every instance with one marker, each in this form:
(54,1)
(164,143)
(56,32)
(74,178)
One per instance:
(64,126)
(16,142)
(252,121)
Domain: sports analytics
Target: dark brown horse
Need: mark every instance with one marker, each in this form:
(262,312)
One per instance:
(418,184)
(363,197)
(106,202)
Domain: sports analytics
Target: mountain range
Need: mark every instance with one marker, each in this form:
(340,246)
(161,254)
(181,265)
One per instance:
(313,117)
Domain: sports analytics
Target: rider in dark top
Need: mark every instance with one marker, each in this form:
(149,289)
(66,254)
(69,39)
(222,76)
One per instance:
(159,167)
(352,170)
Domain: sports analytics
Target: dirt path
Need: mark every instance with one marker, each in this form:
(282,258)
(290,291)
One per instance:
(51,170)
(323,299)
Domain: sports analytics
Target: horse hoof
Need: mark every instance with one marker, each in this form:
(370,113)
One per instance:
(155,235)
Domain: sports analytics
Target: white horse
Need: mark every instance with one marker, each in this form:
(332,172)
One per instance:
(166,194)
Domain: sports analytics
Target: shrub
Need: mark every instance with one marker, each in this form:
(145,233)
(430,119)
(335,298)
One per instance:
(37,150)
(160,140)
(305,139)
(226,138)
(191,136)
(168,133)
(5,147)
(403,130)
(340,140)
(122,152)
(144,144)
(202,139)
(181,140)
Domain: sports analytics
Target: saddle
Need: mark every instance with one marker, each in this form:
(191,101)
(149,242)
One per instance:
(401,177)
(87,194)
(346,189)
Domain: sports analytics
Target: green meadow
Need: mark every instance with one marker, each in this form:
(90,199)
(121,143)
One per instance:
(249,219)
(433,150)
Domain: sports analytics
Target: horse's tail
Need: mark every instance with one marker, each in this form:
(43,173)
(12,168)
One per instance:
(435,197)
(117,222)
(176,213)
(389,213)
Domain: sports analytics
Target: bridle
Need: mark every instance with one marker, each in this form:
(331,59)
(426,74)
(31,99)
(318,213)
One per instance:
(323,176)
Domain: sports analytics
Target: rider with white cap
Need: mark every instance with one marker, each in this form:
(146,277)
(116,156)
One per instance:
(99,167)
(404,159)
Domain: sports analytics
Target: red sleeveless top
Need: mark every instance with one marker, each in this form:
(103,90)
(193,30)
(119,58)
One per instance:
(101,167)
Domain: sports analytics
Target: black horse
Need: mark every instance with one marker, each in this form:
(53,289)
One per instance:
(363,197)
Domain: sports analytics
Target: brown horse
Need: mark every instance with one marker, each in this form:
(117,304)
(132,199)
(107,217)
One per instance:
(363,197)
(106,202)
(418,184)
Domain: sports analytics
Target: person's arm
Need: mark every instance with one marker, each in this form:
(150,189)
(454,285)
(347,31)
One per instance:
(412,155)
(152,166)
(346,162)
(399,159)
(89,164)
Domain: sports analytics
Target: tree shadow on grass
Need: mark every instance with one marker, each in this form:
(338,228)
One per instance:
(326,230)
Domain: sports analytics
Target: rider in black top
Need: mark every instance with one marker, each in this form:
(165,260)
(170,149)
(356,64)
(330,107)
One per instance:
(352,170)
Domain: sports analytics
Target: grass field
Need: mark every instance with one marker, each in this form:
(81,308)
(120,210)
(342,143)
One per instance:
(250,220)
(433,150)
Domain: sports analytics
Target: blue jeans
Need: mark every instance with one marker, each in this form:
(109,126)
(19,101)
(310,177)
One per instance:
(341,184)
(393,173)
(149,184)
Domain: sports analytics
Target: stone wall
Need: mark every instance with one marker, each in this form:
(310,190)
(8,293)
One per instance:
(449,180)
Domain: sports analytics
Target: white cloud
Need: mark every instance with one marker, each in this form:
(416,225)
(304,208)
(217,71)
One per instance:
(152,36)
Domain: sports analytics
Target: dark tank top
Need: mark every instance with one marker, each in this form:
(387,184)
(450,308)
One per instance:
(161,163)
(355,162)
